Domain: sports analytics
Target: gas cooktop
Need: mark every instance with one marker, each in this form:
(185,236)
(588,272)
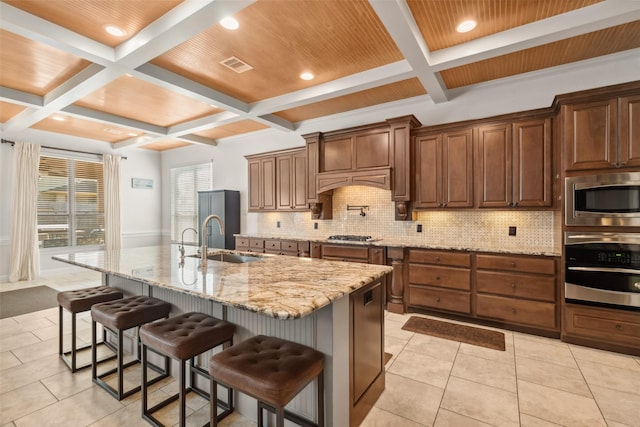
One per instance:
(352,238)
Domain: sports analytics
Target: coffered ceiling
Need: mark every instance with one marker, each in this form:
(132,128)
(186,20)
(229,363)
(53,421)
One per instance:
(164,83)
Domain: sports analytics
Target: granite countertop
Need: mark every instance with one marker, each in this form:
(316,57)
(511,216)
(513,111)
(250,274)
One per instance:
(407,243)
(278,286)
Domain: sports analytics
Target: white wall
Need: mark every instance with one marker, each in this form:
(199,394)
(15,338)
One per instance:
(229,168)
(141,209)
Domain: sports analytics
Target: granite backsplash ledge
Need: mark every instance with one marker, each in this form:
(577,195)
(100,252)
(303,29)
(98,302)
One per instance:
(536,231)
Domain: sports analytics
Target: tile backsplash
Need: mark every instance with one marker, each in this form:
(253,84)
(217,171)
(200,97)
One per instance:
(482,230)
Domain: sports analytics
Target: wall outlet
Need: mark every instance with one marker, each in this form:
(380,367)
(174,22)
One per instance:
(512,230)
(419,228)
(277,224)
(315,225)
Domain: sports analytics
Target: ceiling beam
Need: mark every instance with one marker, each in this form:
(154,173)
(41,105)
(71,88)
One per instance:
(575,23)
(398,20)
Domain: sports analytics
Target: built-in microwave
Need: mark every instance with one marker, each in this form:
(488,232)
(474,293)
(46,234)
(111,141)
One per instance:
(611,199)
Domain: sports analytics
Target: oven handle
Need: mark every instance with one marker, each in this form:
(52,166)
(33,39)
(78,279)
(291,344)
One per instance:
(605,270)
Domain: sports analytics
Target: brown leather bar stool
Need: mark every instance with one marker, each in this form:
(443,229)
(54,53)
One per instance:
(271,370)
(118,316)
(184,338)
(75,302)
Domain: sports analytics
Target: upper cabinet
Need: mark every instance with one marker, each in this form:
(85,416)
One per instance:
(262,172)
(277,181)
(514,164)
(444,170)
(602,134)
(291,185)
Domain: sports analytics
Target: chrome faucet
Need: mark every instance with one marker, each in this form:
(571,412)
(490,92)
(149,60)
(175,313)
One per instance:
(204,237)
(181,248)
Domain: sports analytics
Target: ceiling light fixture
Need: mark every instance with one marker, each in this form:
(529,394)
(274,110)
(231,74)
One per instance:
(306,76)
(466,26)
(132,134)
(115,31)
(230,23)
(58,118)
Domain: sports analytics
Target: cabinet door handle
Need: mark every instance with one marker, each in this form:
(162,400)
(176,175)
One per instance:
(444,205)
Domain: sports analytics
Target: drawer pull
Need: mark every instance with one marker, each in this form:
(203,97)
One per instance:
(438,299)
(513,264)
(618,327)
(437,277)
(513,311)
(513,286)
(437,258)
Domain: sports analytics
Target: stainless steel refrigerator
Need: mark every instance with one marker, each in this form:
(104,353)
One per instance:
(226,205)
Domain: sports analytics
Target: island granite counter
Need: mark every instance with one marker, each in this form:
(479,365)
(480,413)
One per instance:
(305,300)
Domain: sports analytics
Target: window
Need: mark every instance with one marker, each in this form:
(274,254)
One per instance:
(185,184)
(70,202)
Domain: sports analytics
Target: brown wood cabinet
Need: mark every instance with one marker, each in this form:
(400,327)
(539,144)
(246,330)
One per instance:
(517,289)
(514,165)
(273,246)
(439,280)
(291,185)
(444,170)
(262,173)
(600,327)
(277,181)
(602,134)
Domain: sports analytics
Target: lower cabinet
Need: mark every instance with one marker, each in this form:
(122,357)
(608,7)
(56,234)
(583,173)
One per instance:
(602,328)
(299,248)
(518,290)
(511,290)
(440,280)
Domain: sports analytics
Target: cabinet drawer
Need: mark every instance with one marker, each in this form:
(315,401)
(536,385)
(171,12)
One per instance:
(514,263)
(303,246)
(454,259)
(440,298)
(351,252)
(289,245)
(345,259)
(446,277)
(603,324)
(517,285)
(532,313)
(256,243)
(272,245)
(242,243)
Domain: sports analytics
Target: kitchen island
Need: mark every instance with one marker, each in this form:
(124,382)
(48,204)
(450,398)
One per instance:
(335,307)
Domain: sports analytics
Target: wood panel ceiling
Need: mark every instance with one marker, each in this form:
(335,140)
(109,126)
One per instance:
(164,82)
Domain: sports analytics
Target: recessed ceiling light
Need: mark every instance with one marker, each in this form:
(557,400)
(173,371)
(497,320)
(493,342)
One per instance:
(59,118)
(230,23)
(466,26)
(132,134)
(115,31)
(306,76)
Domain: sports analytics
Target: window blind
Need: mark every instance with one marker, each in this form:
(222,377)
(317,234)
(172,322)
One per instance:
(70,202)
(185,183)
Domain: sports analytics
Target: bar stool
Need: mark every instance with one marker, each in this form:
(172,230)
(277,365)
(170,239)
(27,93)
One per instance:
(273,371)
(184,338)
(75,302)
(118,316)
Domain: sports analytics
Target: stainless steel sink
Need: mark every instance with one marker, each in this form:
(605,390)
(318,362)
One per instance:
(233,258)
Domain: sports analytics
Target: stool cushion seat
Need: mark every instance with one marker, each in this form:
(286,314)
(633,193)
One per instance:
(271,369)
(82,299)
(186,335)
(130,312)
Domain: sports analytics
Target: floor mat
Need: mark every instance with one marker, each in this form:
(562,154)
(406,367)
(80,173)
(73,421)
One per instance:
(27,300)
(456,332)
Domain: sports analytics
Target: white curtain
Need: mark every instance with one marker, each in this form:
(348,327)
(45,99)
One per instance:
(24,256)
(112,236)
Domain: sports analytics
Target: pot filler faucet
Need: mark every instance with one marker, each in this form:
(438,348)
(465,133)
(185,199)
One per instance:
(203,253)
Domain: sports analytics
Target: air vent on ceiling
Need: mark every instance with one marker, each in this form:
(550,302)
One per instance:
(236,64)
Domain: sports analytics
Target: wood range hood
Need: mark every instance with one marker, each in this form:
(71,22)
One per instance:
(376,155)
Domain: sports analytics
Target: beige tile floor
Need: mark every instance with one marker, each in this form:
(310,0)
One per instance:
(430,381)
